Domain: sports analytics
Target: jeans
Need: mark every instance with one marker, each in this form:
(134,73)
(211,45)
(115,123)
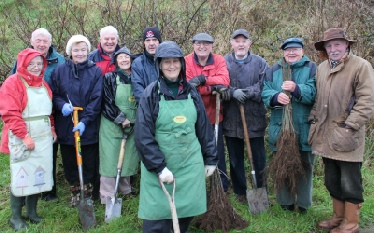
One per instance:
(235,147)
(343,180)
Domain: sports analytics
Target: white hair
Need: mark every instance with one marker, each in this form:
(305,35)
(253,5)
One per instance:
(108,29)
(41,31)
(76,39)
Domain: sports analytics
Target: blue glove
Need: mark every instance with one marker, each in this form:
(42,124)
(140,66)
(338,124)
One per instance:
(67,109)
(239,95)
(81,127)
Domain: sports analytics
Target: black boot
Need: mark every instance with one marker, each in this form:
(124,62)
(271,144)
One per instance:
(31,203)
(16,222)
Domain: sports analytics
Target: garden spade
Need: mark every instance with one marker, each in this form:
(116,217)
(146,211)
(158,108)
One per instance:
(257,197)
(113,204)
(85,207)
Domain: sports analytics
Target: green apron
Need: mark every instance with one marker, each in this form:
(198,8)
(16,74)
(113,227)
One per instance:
(176,137)
(111,136)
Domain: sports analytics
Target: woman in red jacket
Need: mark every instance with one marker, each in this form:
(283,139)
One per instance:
(28,134)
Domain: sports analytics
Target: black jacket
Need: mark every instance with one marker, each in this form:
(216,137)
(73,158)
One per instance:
(83,84)
(109,107)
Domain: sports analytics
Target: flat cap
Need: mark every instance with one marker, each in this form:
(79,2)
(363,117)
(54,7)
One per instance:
(203,37)
(292,43)
(240,31)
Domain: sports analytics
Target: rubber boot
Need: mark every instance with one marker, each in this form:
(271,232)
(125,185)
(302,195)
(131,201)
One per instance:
(31,203)
(16,222)
(75,195)
(351,218)
(337,218)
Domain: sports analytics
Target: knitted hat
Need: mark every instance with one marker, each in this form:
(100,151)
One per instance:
(152,32)
(75,39)
(203,37)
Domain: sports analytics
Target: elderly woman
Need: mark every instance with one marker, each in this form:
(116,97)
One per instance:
(78,83)
(117,120)
(174,139)
(294,73)
(28,133)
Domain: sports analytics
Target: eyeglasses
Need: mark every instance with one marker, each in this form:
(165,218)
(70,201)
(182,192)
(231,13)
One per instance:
(203,43)
(31,65)
(293,50)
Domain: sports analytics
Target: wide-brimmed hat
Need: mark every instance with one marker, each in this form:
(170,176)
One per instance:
(332,34)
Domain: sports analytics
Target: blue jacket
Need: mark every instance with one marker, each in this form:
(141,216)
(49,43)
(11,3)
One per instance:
(83,84)
(143,72)
(53,59)
(303,74)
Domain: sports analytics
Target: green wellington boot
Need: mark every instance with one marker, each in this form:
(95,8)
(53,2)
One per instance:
(16,222)
(31,203)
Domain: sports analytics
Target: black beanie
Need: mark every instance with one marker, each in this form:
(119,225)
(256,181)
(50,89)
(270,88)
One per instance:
(152,32)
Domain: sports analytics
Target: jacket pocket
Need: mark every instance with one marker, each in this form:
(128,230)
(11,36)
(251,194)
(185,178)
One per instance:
(18,150)
(345,140)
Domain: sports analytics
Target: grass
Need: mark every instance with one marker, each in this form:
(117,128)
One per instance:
(59,217)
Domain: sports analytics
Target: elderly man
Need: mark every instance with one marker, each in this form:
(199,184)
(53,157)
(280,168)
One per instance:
(143,70)
(247,72)
(41,40)
(344,104)
(208,73)
(102,56)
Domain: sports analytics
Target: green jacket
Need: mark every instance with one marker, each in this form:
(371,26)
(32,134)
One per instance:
(303,74)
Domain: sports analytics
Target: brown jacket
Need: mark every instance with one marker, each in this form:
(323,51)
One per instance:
(335,87)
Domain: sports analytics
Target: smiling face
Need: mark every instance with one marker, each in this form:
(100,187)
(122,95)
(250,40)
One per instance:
(79,52)
(202,49)
(35,66)
(151,44)
(293,54)
(109,42)
(41,43)
(124,61)
(171,67)
(240,45)
(336,49)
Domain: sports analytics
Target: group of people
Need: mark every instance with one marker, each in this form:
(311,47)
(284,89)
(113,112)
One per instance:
(163,104)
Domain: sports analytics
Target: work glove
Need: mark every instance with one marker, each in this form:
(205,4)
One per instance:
(226,94)
(120,118)
(54,135)
(125,123)
(218,88)
(209,170)
(29,142)
(166,176)
(67,109)
(239,95)
(81,127)
(198,80)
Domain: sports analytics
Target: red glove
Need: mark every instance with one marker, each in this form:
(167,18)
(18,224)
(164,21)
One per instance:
(30,144)
(54,135)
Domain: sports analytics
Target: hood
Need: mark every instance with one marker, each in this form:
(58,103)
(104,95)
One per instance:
(23,60)
(169,49)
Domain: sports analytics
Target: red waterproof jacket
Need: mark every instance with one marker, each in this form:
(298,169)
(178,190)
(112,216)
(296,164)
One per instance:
(14,99)
(103,61)
(216,73)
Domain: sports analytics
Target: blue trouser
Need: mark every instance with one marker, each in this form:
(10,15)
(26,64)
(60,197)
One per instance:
(235,147)
(343,180)
(221,158)
(304,190)
(165,225)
